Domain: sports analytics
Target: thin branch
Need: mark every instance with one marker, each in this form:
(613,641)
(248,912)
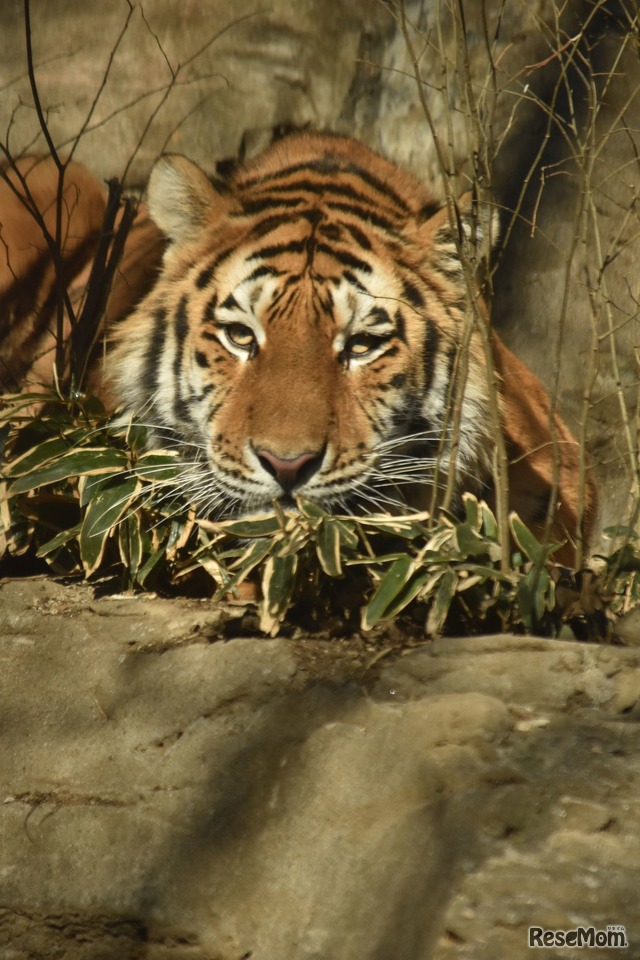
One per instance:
(34,88)
(103,82)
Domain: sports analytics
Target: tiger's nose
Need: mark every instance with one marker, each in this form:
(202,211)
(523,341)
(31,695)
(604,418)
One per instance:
(290,472)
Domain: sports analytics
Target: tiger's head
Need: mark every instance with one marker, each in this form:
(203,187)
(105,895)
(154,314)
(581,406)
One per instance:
(305,335)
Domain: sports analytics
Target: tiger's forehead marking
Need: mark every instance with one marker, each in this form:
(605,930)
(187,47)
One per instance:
(314,243)
(333,179)
(326,249)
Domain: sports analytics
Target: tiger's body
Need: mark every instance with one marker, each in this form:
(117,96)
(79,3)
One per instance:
(305,337)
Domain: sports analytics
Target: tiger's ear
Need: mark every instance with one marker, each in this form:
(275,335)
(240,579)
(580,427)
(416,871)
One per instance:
(477,227)
(473,222)
(182,199)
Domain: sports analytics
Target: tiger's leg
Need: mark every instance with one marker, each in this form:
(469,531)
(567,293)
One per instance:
(541,458)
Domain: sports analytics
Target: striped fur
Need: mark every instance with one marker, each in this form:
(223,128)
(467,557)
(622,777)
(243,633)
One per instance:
(305,337)
(29,291)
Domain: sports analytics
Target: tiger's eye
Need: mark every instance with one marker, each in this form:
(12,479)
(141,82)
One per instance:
(240,335)
(360,344)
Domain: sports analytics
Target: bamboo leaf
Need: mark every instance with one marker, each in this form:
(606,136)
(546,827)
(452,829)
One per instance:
(249,560)
(149,568)
(100,518)
(90,462)
(376,560)
(311,510)
(465,583)
(406,594)
(442,602)
(158,467)
(486,572)
(470,543)
(525,540)
(409,528)
(262,526)
(90,487)
(525,604)
(59,541)
(531,548)
(472,511)
(39,455)
(396,577)
(328,547)
(535,593)
(277,588)
(180,530)
(348,536)
(544,594)
(130,543)
(489,522)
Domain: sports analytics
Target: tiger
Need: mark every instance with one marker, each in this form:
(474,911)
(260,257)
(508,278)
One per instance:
(303,327)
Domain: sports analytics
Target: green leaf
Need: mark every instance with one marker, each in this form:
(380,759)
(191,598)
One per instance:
(485,572)
(467,583)
(262,526)
(328,547)
(65,561)
(394,580)
(252,556)
(180,529)
(489,522)
(544,598)
(406,594)
(377,560)
(470,543)
(17,401)
(90,487)
(59,541)
(151,567)
(277,588)
(536,595)
(311,510)
(242,565)
(348,537)
(87,462)
(100,518)
(135,434)
(130,543)
(532,548)
(404,527)
(158,467)
(525,603)
(442,602)
(472,510)
(43,453)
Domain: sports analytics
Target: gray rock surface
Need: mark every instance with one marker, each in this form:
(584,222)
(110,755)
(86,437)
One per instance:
(171,789)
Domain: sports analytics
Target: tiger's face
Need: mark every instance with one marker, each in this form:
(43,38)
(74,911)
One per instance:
(305,335)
